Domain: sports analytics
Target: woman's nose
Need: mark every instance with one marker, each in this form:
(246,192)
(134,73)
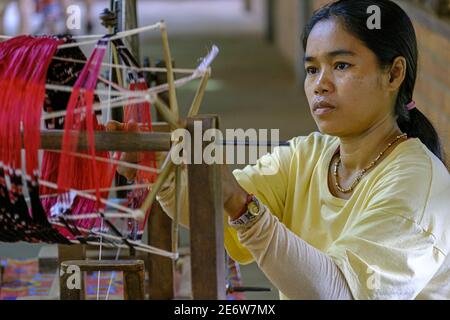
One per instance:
(324,83)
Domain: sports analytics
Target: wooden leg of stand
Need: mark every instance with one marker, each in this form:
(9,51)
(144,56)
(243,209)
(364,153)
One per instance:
(160,269)
(65,253)
(133,284)
(133,274)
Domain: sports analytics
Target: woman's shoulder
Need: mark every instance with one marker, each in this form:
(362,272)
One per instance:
(415,179)
(314,143)
(414,157)
(414,167)
(428,172)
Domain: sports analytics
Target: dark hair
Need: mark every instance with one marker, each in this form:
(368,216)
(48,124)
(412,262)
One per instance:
(395,38)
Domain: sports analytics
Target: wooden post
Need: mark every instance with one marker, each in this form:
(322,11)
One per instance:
(71,252)
(270,21)
(159,230)
(65,253)
(128,19)
(160,269)
(248,5)
(206,221)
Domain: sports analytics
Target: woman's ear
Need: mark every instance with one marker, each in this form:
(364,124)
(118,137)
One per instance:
(397,73)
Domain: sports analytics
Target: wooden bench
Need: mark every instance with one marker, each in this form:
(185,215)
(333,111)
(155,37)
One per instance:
(133,277)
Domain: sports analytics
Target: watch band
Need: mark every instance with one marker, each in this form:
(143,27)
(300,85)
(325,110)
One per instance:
(249,215)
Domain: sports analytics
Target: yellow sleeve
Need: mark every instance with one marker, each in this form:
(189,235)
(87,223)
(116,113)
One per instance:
(386,253)
(267,180)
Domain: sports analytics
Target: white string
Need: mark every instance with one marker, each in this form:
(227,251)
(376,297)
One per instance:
(134,213)
(86,216)
(57,114)
(118,162)
(202,68)
(119,35)
(161,252)
(146,95)
(118,66)
(99,259)
(206,62)
(110,85)
(113,273)
(119,188)
(123,93)
(92,36)
(138,245)
(115,103)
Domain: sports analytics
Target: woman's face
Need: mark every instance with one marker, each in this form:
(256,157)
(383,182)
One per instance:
(344,84)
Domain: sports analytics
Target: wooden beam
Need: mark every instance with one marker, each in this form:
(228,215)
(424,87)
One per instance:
(206,222)
(112,141)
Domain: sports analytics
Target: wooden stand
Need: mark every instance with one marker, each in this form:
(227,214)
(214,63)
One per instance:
(206,234)
(133,277)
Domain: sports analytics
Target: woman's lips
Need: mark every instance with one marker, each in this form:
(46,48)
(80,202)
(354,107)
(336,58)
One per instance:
(321,108)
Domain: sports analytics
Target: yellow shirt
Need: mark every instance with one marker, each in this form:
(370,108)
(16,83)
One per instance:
(390,239)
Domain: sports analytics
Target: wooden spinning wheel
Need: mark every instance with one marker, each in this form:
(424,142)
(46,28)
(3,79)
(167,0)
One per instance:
(205,204)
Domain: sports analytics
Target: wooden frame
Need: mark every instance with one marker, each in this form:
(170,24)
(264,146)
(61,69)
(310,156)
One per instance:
(206,231)
(208,263)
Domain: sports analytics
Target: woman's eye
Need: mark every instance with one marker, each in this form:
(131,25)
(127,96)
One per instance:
(311,70)
(342,66)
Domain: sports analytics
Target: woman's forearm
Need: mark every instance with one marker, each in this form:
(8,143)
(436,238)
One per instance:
(296,268)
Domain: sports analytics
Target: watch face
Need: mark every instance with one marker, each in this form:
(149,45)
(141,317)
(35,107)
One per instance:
(253,208)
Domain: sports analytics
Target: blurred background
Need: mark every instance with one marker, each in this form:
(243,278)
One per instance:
(257,79)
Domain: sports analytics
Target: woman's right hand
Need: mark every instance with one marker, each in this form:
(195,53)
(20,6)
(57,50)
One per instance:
(234,197)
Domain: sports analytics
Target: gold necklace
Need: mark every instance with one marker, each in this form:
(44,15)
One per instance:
(363,171)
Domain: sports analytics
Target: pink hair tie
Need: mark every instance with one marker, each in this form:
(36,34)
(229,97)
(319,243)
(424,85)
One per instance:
(411,105)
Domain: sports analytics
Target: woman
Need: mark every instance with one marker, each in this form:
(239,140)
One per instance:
(359,210)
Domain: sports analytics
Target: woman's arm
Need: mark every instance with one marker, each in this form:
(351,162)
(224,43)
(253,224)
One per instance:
(296,268)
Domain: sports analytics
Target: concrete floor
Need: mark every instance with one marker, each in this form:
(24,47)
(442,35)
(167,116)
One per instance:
(252,85)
